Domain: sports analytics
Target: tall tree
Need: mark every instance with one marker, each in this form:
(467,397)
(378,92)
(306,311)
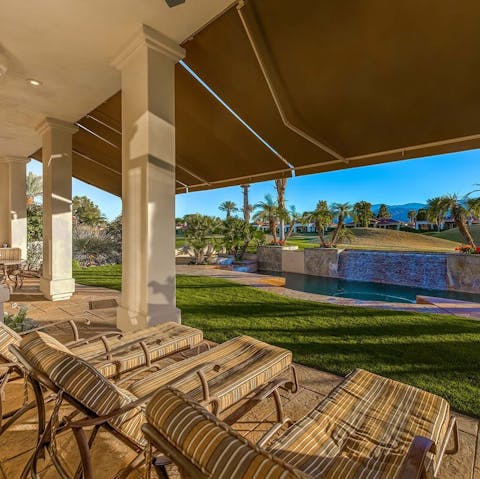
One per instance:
(383,212)
(422,214)
(86,212)
(280,186)
(412,216)
(247,207)
(268,212)
(34,187)
(293,217)
(459,210)
(436,211)
(228,207)
(363,213)
(341,211)
(321,216)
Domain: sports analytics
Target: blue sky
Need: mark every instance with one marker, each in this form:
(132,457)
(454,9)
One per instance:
(411,181)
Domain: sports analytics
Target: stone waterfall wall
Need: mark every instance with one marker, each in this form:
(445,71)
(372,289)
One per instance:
(406,269)
(440,271)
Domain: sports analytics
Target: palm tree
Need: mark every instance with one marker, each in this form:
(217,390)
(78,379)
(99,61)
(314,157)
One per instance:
(229,207)
(293,218)
(247,207)
(341,211)
(280,186)
(321,216)
(436,211)
(363,213)
(383,212)
(34,187)
(412,216)
(459,213)
(268,212)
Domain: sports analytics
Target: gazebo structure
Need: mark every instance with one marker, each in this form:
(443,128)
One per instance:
(111,92)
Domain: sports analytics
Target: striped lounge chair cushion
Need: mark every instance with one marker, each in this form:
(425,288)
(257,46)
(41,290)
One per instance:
(245,364)
(8,336)
(162,340)
(212,446)
(363,429)
(83,382)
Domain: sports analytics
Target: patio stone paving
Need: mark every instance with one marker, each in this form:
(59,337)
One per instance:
(110,454)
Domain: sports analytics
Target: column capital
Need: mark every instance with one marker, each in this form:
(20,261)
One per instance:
(54,124)
(15,159)
(150,38)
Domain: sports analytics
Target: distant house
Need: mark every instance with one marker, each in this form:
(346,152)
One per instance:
(424,225)
(386,223)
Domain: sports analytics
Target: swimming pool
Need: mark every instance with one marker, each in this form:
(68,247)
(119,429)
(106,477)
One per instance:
(366,291)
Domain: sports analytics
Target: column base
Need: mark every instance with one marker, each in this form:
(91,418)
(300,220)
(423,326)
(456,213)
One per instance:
(4,297)
(128,320)
(57,289)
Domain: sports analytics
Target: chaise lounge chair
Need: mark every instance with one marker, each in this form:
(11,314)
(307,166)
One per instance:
(113,353)
(238,368)
(369,426)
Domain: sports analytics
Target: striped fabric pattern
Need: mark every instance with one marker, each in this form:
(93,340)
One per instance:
(8,336)
(245,364)
(363,429)
(212,446)
(162,340)
(84,383)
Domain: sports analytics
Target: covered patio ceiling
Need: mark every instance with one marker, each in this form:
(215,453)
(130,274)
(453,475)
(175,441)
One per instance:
(329,85)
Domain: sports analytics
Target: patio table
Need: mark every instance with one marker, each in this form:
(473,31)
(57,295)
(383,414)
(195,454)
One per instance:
(11,270)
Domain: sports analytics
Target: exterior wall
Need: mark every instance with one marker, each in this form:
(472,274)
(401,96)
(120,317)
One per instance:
(440,271)
(463,272)
(270,258)
(293,261)
(322,261)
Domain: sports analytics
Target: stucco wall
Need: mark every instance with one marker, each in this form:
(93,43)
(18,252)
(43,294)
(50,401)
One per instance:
(293,261)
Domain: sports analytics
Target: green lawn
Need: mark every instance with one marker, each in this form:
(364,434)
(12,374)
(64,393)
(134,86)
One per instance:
(437,353)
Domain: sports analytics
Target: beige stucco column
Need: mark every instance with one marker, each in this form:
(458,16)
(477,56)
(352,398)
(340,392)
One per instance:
(147,65)
(56,282)
(13,213)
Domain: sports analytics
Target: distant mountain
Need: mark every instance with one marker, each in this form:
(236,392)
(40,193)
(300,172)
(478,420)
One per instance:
(400,212)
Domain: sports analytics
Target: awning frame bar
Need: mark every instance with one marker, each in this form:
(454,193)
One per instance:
(276,98)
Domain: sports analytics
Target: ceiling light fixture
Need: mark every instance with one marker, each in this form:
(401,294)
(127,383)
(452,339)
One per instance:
(33,82)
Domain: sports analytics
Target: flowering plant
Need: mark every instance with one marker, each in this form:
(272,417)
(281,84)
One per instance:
(327,244)
(468,249)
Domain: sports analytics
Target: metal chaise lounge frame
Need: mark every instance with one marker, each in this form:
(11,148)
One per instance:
(48,431)
(106,359)
(351,433)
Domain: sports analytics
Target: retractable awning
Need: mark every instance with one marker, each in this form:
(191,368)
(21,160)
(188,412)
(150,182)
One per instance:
(328,84)
(358,83)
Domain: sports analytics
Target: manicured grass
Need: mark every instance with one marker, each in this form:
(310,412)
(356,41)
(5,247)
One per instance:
(382,239)
(454,234)
(438,353)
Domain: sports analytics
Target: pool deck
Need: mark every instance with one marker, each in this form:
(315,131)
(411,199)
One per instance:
(275,284)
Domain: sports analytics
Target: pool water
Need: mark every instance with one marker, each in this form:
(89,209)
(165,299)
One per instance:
(366,291)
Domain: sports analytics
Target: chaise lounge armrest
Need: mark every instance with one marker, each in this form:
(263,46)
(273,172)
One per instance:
(413,466)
